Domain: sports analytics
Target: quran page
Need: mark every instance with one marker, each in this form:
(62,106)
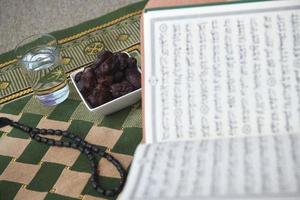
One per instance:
(261,167)
(222,70)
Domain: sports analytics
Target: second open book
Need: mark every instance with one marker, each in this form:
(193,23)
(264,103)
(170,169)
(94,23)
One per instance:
(221,101)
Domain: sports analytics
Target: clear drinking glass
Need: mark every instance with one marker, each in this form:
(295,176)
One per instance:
(39,56)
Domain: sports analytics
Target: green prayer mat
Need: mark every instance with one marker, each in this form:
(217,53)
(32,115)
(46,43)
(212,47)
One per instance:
(30,170)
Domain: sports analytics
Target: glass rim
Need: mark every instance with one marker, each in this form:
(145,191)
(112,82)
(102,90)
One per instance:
(22,43)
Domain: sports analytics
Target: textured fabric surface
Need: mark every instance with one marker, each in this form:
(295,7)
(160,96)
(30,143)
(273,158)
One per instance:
(30,170)
(22,18)
(117,31)
(35,171)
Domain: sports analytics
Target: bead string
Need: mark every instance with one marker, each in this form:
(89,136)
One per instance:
(76,143)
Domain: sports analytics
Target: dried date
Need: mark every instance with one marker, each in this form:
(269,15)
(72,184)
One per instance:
(120,89)
(99,96)
(133,76)
(118,76)
(111,76)
(101,57)
(132,63)
(123,60)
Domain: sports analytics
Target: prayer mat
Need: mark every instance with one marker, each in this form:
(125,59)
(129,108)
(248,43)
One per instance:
(30,170)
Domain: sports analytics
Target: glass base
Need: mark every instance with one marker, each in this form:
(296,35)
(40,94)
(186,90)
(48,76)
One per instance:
(54,98)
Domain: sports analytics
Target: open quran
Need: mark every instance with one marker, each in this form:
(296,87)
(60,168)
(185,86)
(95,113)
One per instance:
(221,101)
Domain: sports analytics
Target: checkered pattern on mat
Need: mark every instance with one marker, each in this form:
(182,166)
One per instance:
(30,170)
(34,171)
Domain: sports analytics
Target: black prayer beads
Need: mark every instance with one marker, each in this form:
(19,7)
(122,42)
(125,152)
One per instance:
(76,143)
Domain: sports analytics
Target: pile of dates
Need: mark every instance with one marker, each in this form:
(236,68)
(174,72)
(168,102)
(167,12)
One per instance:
(112,75)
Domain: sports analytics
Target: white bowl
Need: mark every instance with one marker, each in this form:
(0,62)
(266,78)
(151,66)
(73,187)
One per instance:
(113,105)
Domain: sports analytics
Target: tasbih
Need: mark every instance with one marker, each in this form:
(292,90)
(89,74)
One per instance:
(76,143)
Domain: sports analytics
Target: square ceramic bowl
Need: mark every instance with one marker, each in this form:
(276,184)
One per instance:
(113,105)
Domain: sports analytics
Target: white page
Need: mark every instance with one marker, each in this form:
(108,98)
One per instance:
(265,167)
(226,70)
